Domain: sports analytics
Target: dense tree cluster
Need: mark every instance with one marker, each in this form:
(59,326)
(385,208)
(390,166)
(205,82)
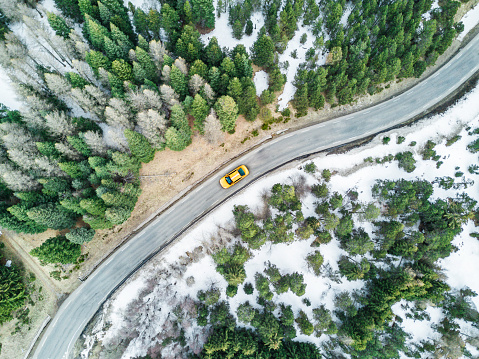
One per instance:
(58,167)
(13,291)
(380,43)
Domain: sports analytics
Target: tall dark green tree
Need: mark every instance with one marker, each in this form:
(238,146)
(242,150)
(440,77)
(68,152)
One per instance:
(57,250)
(139,146)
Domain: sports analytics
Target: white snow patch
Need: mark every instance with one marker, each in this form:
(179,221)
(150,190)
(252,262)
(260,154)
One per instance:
(7,94)
(293,63)
(459,265)
(224,33)
(8,264)
(345,16)
(470,20)
(427,15)
(50,6)
(260,82)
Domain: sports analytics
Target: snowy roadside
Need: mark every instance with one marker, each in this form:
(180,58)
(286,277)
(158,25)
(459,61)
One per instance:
(351,172)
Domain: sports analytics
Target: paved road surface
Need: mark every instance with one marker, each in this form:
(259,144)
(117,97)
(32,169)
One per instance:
(82,304)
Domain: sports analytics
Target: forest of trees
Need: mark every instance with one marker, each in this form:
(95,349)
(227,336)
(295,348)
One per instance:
(102,101)
(362,321)
(123,83)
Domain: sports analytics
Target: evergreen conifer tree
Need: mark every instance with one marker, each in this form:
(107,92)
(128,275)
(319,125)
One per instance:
(57,250)
(139,146)
(263,51)
(59,25)
(227,111)
(199,110)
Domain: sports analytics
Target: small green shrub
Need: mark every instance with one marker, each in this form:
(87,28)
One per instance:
(386,140)
(452,140)
(310,167)
(248,288)
(326,175)
(231,290)
(303,38)
(400,139)
(473,146)
(406,161)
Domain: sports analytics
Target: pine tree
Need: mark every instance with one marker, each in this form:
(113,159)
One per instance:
(203,13)
(235,90)
(154,23)
(213,53)
(94,206)
(262,51)
(276,79)
(139,146)
(200,68)
(227,111)
(178,82)
(214,76)
(59,25)
(57,250)
(301,100)
(249,27)
(122,40)
(147,63)
(140,20)
(176,140)
(52,216)
(97,60)
(13,293)
(70,9)
(97,222)
(80,235)
(238,29)
(288,20)
(122,69)
(188,14)
(79,144)
(178,136)
(248,103)
(112,50)
(199,110)
(189,45)
(117,215)
(96,33)
(243,66)
(170,21)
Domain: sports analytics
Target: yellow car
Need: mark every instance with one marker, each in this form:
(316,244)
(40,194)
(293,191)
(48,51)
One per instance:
(234,176)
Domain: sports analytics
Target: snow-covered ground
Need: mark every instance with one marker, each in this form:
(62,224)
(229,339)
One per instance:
(293,63)
(7,93)
(350,172)
(260,82)
(223,32)
(470,20)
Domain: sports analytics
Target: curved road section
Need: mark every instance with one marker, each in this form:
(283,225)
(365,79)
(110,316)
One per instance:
(81,305)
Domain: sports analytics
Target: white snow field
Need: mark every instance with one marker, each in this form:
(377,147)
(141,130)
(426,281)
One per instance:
(165,286)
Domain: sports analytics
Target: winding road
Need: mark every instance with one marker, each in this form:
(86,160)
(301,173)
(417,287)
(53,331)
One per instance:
(58,340)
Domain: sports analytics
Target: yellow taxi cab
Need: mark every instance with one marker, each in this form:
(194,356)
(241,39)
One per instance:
(234,176)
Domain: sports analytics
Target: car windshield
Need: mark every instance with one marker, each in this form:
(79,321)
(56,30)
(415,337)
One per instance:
(228,179)
(241,172)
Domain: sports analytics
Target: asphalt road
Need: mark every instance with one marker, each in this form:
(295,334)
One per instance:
(81,305)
